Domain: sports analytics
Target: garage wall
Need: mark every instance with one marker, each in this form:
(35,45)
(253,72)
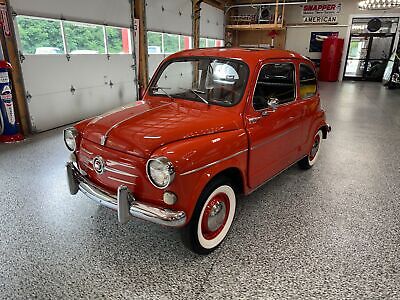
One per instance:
(61,91)
(298,35)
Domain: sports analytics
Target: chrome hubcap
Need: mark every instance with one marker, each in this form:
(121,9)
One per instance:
(217,216)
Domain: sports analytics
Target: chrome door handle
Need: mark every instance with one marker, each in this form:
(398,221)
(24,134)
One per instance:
(253,120)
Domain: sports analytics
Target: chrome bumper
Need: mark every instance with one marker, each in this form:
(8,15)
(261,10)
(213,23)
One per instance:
(124,202)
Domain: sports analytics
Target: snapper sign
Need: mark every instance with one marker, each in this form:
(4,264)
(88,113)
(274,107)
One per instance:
(321,13)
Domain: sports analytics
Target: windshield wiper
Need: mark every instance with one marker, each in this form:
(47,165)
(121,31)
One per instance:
(197,93)
(163,89)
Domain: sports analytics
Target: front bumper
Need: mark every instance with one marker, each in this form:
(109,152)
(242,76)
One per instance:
(124,202)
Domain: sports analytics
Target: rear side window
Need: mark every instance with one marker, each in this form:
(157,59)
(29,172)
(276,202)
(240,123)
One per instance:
(276,81)
(308,82)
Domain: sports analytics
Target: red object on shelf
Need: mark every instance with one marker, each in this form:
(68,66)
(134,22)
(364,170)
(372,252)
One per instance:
(332,50)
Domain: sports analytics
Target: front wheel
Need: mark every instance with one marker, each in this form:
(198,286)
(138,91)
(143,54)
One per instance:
(308,161)
(212,217)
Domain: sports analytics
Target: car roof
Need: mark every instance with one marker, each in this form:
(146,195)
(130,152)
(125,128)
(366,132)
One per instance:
(249,55)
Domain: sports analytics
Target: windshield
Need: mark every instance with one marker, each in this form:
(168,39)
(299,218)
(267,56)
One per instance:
(204,79)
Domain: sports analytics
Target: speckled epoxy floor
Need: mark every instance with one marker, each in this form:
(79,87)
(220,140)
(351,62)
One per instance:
(329,233)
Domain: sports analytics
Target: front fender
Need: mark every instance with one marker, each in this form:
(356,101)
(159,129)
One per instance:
(197,160)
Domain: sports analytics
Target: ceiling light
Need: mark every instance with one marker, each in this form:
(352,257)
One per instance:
(378,4)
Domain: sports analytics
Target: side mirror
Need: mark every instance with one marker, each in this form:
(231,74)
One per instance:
(273,103)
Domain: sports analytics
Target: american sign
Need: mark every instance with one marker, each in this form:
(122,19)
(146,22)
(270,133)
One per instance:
(321,13)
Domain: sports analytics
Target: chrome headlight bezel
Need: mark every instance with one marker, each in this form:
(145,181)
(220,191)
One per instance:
(165,166)
(70,135)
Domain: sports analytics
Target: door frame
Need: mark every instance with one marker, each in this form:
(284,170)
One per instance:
(367,57)
(377,14)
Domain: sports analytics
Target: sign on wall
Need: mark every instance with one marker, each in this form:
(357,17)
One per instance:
(4,20)
(326,13)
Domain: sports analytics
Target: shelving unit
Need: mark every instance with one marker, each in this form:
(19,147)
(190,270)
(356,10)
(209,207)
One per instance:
(244,29)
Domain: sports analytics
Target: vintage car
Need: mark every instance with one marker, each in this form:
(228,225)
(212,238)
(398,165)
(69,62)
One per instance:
(213,123)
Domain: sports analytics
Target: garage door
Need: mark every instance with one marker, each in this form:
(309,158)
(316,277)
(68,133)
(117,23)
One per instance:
(76,67)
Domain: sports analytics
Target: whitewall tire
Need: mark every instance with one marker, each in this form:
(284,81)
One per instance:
(312,157)
(213,216)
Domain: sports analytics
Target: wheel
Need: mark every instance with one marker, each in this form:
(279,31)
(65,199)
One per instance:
(212,217)
(308,161)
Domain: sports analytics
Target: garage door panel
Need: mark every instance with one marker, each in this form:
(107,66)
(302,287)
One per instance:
(160,13)
(49,78)
(115,12)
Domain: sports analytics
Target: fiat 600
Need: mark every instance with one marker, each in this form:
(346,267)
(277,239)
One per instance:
(213,123)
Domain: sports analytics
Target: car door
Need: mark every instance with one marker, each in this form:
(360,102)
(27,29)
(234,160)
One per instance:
(273,132)
(310,101)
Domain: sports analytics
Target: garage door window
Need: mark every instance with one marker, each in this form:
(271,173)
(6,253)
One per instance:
(308,82)
(84,38)
(171,43)
(40,36)
(276,81)
(118,40)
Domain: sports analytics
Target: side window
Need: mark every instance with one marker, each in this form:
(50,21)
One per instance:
(308,82)
(276,81)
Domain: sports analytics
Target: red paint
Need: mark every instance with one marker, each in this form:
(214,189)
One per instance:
(186,42)
(193,135)
(125,40)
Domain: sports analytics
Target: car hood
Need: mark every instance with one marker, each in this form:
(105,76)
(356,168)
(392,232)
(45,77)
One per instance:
(142,128)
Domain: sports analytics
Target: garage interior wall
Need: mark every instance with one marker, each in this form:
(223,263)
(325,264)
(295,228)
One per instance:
(298,35)
(160,13)
(67,91)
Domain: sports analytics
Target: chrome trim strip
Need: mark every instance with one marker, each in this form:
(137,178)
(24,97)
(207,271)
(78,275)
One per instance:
(124,202)
(86,151)
(105,136)
(113,163)
(274,138)
(120,180)
(213,163)
(116,171)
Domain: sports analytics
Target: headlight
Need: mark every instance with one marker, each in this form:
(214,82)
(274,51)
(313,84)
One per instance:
(160,172)
(70,135)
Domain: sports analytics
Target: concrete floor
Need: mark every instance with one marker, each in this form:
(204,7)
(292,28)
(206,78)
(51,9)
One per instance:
(329,233)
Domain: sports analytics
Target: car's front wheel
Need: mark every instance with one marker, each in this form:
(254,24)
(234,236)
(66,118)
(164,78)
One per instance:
(212,217)
(308,161)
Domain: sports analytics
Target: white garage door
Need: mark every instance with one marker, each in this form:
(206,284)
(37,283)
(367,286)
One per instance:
(98,72)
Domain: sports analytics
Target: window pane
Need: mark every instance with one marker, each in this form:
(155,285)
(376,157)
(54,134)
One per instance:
(186,42)
(40,36)
(84,38)
(219,43)
(308,82)
(154,42)
(118,40)
(203,42)
(219,81)
(171,43)
(210,43)
(276,81)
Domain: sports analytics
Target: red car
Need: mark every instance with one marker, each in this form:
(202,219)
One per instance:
(213,123)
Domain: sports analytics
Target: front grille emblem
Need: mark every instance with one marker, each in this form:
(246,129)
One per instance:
(98,164)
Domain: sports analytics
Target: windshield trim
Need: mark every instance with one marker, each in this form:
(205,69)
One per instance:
(164,65)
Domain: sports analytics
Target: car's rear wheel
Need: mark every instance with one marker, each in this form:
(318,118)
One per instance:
(308,161)
(212,217)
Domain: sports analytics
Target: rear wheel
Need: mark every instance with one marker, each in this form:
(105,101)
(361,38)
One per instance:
(212,217)
(308,161)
